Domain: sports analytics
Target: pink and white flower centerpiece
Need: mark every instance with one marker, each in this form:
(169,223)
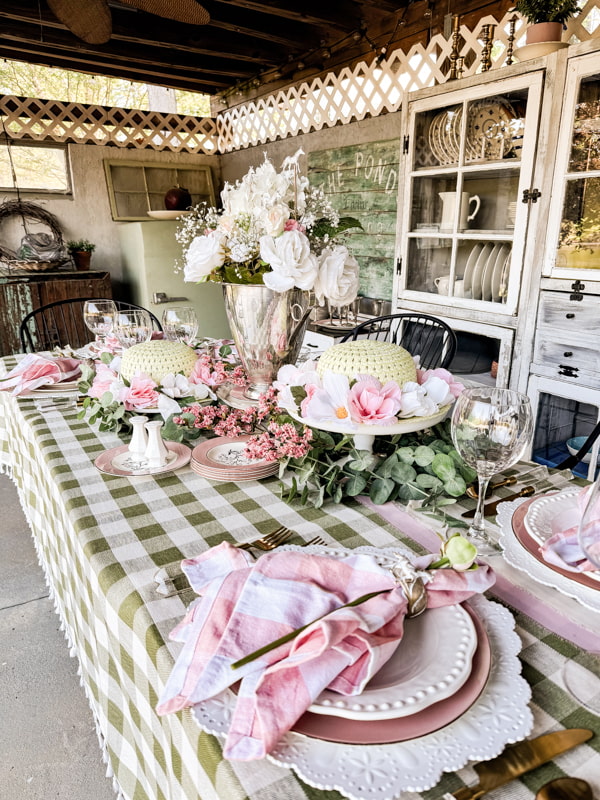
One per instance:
(275,240)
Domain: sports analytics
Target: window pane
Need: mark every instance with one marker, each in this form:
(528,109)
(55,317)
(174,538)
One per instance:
(40,168)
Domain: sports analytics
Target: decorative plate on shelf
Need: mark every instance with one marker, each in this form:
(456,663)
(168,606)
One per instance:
(431,663)
(489,130)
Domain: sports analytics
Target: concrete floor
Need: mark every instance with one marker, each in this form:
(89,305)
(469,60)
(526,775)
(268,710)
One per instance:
(48,743)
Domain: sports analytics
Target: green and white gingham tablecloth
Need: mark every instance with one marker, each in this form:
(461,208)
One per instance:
(101,539)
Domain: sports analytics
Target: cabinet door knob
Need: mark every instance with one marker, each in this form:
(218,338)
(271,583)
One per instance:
(568,354)
(570,316)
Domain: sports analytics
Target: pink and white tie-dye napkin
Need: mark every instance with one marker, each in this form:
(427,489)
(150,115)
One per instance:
(36,370)
(246,605)
(562,549)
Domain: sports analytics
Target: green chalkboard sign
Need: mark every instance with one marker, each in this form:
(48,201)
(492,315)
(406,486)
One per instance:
(362,181)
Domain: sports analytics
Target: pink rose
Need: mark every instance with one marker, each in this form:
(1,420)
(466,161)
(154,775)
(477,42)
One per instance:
(103,380)
(141,393)
(294,225)
(455,386)
(207,372)
(371,403)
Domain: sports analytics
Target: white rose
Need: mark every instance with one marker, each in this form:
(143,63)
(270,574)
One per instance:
(204,254)
(438,390)
(414,402)
(291,261)
(274,219)
(337,280)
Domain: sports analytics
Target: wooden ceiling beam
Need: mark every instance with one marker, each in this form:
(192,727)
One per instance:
(142,51)
(196,83)
(342,16)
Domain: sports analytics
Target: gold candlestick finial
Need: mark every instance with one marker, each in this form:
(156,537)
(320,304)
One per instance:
(511,40)
(454,54)
(488,40)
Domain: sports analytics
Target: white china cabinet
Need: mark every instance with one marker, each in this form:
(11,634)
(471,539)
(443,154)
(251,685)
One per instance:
(469,158)
(563,379)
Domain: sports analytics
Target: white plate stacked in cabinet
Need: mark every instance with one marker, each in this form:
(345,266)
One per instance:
(568,334)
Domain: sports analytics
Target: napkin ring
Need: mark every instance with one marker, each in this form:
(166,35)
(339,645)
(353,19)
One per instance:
(412,585)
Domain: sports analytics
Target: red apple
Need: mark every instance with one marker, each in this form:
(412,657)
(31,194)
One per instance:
(177,199)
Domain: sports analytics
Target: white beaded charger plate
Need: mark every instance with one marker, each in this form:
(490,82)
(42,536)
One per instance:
(432,662)
(500,716)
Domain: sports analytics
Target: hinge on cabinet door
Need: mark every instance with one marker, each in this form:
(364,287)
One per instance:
(578,288)
(399,266)
(531,195)
(405,145)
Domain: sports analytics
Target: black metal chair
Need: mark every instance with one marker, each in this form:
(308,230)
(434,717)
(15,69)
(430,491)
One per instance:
(571,461)
(421,334)
(61,323)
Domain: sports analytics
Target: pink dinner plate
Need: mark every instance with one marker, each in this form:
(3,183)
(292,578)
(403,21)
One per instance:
(533,548)
(105,462)
(430,719)
(222,458)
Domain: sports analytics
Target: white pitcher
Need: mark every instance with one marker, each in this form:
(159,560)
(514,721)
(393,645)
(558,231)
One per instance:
(448,206)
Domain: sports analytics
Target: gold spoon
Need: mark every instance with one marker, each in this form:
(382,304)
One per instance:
(565,789)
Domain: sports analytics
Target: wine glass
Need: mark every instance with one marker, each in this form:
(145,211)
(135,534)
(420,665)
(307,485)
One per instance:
(581,677)
(132,326)
(99,317)
(180,324)
(491,429)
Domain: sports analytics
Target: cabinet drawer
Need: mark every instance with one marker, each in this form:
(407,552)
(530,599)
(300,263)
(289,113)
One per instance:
(578,316)
(566,360)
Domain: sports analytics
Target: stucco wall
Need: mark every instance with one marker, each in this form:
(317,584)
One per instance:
(86,213)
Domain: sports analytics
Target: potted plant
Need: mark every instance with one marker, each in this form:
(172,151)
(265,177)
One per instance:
(546,18)
(81,252)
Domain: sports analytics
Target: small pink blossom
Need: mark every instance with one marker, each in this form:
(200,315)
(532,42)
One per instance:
(310,389)
(455,386)
(294,225)
(371,403)
(141,393)
(103,380)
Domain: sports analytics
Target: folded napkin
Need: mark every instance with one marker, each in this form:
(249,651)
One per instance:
(246,605)
(562,549)
(36,370)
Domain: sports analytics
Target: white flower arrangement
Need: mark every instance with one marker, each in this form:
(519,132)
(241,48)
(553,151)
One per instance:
(274,229)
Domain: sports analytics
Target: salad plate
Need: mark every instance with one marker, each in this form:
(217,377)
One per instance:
(223,458)
(471,261)
(523,552)
(478,271)
(431,662)
(503,255)
(421,723)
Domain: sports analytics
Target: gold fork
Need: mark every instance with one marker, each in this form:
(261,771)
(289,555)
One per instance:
(269,541)
(316,540)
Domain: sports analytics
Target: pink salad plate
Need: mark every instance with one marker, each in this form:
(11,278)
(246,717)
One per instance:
(118,461)
(223,459)
(533,548)
(402,729)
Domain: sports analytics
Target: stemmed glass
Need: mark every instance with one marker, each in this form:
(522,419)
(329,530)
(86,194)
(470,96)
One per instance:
(180,324)
(132,326)
(99,317)
(491,429)
(577,678)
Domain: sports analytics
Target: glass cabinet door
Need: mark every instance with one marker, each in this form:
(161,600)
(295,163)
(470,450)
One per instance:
(576,195)
(469,162)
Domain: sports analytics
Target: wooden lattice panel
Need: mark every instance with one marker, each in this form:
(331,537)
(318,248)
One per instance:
(369,90)
(28,118)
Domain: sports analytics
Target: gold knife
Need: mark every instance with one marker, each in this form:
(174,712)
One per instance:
(519,759)
(490,508)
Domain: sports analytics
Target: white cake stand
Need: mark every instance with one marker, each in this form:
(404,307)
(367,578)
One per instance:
(364,435)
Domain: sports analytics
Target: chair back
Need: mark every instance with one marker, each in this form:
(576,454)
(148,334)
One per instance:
(61,323)
(421,334)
